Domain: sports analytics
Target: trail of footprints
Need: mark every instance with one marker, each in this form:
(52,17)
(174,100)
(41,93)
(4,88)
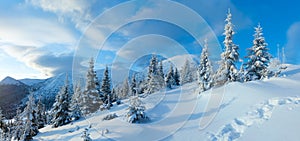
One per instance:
(263,112)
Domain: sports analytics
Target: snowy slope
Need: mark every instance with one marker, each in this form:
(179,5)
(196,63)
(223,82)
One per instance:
(49,88)
(258,110)
(30,82)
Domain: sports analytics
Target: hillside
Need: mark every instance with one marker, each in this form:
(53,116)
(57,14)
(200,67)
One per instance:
(257,110)
(12,92)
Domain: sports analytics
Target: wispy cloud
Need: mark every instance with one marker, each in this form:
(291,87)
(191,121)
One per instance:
(78,11)
(29,38)
(293,43)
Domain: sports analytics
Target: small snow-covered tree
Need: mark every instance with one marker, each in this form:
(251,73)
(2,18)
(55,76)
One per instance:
(106,89)
(31,123)
(170,78)
(75,107)
(41,116)
(176,77)
(85,135)
(186,73)
(136,111)
(61,107)
(205,70)
(258,58)
(227,71)
(90,100)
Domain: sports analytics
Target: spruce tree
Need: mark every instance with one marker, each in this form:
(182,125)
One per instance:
(152,69)
(186,73)
(136,111)
(133,86)
(227,71)
(75,107)
(125,90)
(61,107)
(258,58)
(31,123)
(205,70)
(170,78)
(2,123)
(41,116)
(18,127)
(154,81)
(161,74)
(106,89)
(176,77)
(90,100)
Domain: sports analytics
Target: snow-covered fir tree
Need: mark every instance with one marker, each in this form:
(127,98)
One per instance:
(227,71)
(2,118)
(31,123)
(176,77)
(18,127)
(61,107)
(133,86)
(41,114)
(205,70)
(90,100)
(136,111)
(154,79)
(75,107)
(3,127)
(152,69)
(186,73)
(114,96)
(170,78)
(258,58)
(153,84)
(124,90)
(106,89)
(161,74)
(85,135)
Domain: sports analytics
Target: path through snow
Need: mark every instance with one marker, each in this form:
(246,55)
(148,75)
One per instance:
(263,112)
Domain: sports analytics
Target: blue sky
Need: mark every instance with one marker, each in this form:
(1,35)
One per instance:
(38,39)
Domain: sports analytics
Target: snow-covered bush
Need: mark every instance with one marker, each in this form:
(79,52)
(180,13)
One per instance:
(86,136)
(136,111)
(110,116)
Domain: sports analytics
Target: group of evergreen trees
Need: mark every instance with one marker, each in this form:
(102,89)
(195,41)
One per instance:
(256,68)
(25,124)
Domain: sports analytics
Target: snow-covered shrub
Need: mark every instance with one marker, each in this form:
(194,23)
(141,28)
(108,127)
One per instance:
(110,116)
(136,111)
(86,136)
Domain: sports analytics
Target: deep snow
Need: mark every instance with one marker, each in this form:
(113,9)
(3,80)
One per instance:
(258,110)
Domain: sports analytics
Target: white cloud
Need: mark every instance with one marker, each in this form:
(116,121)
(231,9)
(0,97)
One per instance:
(293,44)
(30,31)
(77,10)
(29,38)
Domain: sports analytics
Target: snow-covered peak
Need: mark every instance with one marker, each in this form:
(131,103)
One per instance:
(10,81)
